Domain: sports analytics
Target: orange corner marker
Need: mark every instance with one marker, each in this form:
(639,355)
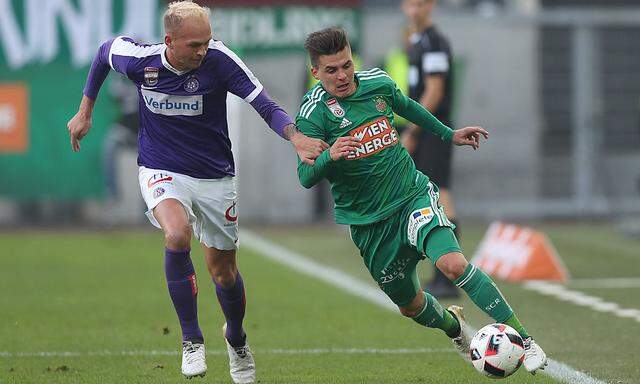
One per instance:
(513,253)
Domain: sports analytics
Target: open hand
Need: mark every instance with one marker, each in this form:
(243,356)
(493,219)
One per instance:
(469,136)
(78,128)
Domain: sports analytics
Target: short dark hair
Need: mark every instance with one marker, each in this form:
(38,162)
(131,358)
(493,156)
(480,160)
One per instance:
(327,41)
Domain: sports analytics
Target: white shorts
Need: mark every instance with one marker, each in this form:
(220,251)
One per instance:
(210,204)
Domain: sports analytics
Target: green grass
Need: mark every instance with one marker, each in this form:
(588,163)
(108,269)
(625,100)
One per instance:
(95,292)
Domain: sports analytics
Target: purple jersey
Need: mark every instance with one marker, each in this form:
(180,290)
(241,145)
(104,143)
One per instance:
(183,114)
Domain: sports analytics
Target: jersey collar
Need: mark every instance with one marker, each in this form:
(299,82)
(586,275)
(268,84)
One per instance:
(167,65)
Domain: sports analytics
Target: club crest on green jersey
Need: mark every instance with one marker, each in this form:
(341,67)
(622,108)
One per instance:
(335,107)
(381,104)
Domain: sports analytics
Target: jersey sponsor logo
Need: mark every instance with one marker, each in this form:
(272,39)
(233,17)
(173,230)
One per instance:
(151,76)
(192,84)
(394,271)
(345,123)
(418,219)
(374,137)
(381,104)
(159,178)
(171,105)
(335,107)
(230,214)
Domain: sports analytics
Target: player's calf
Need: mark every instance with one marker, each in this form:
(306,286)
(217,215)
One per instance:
(431,314)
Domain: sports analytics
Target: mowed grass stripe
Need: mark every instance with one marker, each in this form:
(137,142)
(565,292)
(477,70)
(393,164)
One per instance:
(311,351)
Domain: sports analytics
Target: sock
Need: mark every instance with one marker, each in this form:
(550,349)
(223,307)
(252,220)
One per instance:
(484,293)
(433,315)
(183,289)
(514,323)
(232,301)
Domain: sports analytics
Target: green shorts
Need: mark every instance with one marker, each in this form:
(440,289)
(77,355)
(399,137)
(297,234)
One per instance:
(392,248)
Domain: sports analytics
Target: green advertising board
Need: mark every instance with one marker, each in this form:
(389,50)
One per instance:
(46,48)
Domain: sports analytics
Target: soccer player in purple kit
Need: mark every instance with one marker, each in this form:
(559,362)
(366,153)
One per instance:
(187,172)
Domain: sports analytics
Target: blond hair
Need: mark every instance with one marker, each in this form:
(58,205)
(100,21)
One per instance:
(178,11)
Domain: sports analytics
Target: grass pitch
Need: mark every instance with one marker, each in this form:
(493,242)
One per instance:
(93,308)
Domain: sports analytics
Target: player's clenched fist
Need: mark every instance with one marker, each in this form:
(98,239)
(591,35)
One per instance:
(343,147)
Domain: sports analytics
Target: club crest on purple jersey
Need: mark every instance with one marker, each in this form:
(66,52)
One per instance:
(158,192)
(192,84)
(151,76)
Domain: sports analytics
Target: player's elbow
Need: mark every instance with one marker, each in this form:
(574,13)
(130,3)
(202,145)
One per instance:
(305,178)
(307,184)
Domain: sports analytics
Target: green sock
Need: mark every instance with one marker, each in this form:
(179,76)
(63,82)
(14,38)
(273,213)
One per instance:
(514,323)
(484,293)
(433,315)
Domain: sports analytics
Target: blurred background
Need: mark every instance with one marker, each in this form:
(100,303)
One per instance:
(556,83)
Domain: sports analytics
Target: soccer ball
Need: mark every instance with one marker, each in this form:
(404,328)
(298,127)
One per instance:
(497,351)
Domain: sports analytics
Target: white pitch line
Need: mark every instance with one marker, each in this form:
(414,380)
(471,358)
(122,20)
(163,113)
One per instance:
(557,370)
(612,282)
(582,299)
(311,351)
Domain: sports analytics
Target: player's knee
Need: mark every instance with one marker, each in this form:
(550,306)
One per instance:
(454,267)
(223,277)
(177,238)
(409,312)
(414,308)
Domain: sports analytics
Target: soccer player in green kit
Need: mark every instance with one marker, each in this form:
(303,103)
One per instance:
(392,209)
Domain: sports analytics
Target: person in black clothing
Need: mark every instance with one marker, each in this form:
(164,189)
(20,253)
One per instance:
(430,84)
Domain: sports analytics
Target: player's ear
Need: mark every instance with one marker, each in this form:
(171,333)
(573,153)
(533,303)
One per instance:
(167,40)
(314,72)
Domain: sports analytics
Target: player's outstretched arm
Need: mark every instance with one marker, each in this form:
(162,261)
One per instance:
(80,123)
(469,136)
(308,148)
(280,122)
(417,114)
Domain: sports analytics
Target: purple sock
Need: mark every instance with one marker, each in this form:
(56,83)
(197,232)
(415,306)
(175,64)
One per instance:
(181,281)
(232,301)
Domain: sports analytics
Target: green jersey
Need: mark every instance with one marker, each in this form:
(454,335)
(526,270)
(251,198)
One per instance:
(380,178)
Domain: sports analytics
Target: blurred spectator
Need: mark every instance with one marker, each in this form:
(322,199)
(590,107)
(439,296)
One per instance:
(430,84)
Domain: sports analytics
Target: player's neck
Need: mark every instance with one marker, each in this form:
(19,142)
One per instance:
(424,24)
(172,60)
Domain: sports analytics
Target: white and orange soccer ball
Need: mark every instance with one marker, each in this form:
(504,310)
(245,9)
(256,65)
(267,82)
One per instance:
(497,351)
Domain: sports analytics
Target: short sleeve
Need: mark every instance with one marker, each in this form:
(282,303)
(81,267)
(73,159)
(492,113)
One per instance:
(436,59)
(123,49)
